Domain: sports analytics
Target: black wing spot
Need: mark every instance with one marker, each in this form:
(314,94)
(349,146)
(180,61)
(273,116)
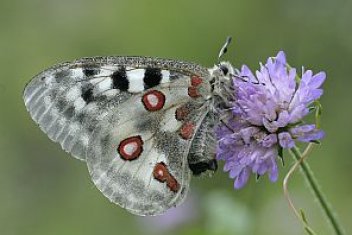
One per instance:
(119,79)
(152,77)
(87,93)
(89,72)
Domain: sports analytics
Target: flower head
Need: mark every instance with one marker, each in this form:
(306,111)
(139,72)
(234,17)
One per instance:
(266,116)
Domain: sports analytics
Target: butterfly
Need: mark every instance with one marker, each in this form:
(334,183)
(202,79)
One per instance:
(143,125)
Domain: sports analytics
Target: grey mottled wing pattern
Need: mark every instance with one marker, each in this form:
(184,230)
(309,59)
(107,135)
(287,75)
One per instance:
(86,108)
(55,97)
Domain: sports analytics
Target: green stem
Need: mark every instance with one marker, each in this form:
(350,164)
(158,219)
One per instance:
(312,182)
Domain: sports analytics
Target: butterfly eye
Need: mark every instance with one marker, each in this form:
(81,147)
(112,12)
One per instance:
(224,69)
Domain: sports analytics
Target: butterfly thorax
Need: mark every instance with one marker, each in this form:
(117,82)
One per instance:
(221,85)
(201,157)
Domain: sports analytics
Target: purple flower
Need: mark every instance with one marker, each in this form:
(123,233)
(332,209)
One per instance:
(266,116)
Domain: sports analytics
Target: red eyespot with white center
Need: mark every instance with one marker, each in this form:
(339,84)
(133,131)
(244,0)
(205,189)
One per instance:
(130,148)
(153,100)
(162,174)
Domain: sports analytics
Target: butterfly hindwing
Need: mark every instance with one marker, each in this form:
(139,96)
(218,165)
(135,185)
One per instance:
(140,161)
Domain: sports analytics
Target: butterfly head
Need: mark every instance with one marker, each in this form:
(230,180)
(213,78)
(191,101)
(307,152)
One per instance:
(223,71)
(221,78)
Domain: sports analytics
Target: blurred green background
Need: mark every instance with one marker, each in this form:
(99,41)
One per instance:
(44,191)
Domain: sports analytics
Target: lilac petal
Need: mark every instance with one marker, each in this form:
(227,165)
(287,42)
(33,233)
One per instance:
(306,77)
(235,171)
(298,113)
(228,165)
(269,140)
(246,72)
(256,161)
(296,131)
(269,109)
(283,119)
(274,172)
(242,179)
(281,57)
(291,77)
(307,133)
(315,94)
(317,80)
(310,136)
(261,169)
(286,140)
(248,132)
(270,126)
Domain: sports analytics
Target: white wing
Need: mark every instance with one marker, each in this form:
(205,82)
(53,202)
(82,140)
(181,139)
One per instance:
(132,119)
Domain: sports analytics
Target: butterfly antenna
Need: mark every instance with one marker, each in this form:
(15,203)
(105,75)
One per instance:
(223,49)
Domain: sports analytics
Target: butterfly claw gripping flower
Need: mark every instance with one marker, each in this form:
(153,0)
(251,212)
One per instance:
(266,116)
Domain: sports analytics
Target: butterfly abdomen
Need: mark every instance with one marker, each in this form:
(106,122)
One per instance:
(201,157)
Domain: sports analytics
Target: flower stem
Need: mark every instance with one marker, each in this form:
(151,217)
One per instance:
(299,214)
(313,184)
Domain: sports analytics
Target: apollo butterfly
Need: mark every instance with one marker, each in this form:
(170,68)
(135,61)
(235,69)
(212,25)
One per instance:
(143,125)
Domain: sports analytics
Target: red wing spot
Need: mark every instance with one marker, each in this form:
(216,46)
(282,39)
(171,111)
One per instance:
(196,80)
(153,100)
(181,113)
(173,185)
(130,148)
(187,130)
(162,174)
(193,92)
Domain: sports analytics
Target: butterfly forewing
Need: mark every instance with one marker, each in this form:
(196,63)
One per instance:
(69,99)
(132,119)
